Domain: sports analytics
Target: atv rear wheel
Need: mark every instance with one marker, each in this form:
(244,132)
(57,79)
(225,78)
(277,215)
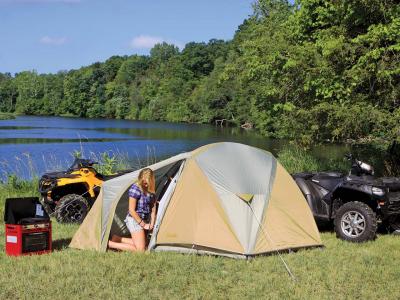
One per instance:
(71,208)
(355,222)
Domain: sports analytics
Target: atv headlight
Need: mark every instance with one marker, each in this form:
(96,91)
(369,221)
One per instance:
(378,191)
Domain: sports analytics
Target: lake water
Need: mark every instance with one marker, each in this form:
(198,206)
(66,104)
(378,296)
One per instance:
(34,145)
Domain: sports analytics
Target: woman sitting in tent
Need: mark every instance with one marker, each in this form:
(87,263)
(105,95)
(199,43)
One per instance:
(141,215)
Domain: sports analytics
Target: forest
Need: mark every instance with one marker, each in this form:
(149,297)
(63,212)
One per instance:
(312,71)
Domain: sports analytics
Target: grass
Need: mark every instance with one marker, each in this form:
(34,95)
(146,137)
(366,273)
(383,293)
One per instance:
(69,115)
(24,166)
(6,116)
(340,270)
(296,159)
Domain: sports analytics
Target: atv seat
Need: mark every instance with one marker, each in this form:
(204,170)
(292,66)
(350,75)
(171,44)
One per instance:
(304,175)
(330,174)
(108,177)
(57,175)
(392,183)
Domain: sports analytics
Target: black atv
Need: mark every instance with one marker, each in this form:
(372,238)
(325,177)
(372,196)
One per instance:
(356,203)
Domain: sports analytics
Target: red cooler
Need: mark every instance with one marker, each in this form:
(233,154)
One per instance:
(28,227)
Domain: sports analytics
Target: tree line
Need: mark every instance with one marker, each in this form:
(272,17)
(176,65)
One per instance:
(315,70)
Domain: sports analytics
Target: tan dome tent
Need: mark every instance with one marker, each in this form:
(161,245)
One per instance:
(226,199)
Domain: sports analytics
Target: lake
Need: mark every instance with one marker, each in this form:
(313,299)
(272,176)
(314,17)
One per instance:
(31,145)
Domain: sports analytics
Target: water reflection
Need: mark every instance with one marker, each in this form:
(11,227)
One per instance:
(54,140)
(31,145)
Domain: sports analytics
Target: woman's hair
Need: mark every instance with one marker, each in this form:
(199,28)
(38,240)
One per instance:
(148,174)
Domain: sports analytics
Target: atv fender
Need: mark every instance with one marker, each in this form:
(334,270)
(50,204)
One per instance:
(76,188)
(358,187)
(348,193)
(315,198)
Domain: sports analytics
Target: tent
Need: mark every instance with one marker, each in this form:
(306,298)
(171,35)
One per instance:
(225,198)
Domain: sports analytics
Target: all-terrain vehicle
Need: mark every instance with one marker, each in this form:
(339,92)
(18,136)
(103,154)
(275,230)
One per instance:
(69,195)
(356,203)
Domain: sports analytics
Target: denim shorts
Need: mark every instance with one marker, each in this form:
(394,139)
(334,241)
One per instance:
(132,225)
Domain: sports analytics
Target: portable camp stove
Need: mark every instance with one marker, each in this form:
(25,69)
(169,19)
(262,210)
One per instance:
(28,227)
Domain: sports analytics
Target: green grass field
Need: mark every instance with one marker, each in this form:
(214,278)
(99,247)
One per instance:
(339,271)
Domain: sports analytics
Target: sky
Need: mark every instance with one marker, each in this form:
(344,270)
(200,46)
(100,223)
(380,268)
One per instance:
(53,35)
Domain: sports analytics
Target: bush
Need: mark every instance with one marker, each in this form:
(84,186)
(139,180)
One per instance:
(295,160)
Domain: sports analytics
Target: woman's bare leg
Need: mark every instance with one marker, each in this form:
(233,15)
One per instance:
(139,239)
(121,246)
(127,240)
(116,238)
(120,239)
(121,243)
(136,243)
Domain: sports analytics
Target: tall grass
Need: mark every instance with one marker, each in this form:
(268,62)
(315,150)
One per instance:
(6,116)
(108,162)
(23,166)
(296,159)
(15,187)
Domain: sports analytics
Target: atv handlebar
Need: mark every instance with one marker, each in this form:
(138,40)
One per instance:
(87,162)
(81,163)
(91,163)
(358,167)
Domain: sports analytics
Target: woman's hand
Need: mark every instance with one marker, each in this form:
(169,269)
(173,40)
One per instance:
(148,226)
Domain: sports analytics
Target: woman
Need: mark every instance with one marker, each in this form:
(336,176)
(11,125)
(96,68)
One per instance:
(141,215)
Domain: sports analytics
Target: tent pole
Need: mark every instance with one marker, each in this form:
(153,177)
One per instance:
(269,238)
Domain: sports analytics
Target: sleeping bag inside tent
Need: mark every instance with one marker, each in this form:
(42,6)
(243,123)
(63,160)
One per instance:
(224,199)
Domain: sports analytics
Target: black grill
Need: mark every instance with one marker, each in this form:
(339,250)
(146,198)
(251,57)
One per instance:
(37,241)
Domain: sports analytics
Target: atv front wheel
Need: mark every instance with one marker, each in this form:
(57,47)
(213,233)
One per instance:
(355,222)
(71,208)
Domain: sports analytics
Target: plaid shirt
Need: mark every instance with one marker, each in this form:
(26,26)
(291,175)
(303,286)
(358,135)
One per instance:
(143,201)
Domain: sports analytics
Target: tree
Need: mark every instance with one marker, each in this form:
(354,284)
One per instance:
(134,66)
(162,52)
(8,93)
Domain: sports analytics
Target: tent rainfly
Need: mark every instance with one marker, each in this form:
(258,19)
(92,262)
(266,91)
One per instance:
(225,199)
